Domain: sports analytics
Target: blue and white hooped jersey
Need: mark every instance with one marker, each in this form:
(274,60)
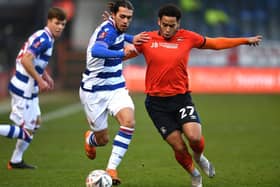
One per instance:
(40,44)
(104,74)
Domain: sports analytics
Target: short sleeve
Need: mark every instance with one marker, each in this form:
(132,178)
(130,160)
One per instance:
(197,39)
(106,35)
(39,46)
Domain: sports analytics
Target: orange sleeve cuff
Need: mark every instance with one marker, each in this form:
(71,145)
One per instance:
(223,43)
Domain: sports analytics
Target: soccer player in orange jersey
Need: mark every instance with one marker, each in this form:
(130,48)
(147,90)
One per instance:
(168,101)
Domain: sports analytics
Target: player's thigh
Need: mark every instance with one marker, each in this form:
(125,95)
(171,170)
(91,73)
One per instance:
(176,141)
(121,104)
(36,104)
(31,115)
(164,122)
(192,131)
(187,116)
(18,105)
(95,106)
(125,117)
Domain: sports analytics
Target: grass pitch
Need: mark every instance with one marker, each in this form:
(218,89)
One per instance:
(241,134)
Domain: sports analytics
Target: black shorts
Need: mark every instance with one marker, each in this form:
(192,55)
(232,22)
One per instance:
(170,113)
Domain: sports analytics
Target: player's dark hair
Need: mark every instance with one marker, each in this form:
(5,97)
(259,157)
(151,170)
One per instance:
(57,13)
(170,10)
(114,6)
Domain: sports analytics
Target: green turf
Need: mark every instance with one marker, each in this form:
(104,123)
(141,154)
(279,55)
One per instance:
(241,134)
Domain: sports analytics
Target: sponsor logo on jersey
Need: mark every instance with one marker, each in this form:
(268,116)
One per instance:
(180,39)
(102,35)
(37,44)
(165,45)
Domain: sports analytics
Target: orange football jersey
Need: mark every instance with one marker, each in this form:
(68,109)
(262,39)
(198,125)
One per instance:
(167,61)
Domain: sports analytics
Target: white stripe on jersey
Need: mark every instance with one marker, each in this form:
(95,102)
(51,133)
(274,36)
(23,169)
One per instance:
(29,88)
(95,66)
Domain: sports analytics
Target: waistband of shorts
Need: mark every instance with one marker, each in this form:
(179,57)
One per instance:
(163,98)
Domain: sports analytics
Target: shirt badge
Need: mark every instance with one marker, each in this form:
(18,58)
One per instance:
(102,35)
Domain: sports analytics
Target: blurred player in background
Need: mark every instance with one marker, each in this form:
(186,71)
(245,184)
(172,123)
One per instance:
(168,101)
(102,89)
(29,79)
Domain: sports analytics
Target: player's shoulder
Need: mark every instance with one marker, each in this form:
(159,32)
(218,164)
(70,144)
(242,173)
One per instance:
(43,34)
(188,33)
(153,34)
(107,28)
(108,25)
(41,39)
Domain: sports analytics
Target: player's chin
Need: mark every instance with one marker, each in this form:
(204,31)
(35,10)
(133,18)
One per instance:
(123,29)
(167,36)
(57,34)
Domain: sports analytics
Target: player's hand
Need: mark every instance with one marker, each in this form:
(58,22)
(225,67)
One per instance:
(50,82)
(106,15)
(255,40)
(43,85)
(140,38)
(128,50)
(46,77)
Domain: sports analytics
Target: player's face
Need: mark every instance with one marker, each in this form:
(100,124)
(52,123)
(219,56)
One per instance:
(123,18)
(168,26)
(56,26)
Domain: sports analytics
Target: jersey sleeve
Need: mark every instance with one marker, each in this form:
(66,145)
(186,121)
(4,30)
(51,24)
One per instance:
(128,38)
(106,35)
(197,40)
(105,39)
(39,46)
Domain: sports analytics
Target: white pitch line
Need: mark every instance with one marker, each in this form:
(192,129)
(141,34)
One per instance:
(59,113)
(62,112)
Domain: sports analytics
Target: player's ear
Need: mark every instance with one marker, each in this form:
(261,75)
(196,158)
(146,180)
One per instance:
(158,22)
(114,15)
(179,23)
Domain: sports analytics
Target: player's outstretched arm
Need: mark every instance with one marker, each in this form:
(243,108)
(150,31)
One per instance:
(225,43)
(255,40)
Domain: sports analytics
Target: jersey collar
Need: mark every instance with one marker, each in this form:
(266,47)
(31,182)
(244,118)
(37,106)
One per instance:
(49,32)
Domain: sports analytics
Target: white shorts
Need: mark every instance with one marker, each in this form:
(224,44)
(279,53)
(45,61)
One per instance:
(98,105)
(25,111)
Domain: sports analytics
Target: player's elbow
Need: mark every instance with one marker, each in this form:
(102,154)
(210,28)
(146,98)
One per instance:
(98,50)
(95,53)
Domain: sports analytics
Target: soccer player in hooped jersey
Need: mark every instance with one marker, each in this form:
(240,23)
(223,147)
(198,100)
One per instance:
(102,89)
(29,79)
(168,101)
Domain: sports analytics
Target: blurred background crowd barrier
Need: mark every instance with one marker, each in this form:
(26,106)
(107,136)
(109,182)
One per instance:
(243,69)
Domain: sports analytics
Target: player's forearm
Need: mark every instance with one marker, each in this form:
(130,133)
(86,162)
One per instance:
(27,62)
(100,51)
(224,43)
(128,38)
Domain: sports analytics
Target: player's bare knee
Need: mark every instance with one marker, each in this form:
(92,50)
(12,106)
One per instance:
(194,138)
(128,123)
(179,148)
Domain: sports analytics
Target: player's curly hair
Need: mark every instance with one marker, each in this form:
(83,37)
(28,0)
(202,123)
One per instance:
(170,10)
(114,6)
